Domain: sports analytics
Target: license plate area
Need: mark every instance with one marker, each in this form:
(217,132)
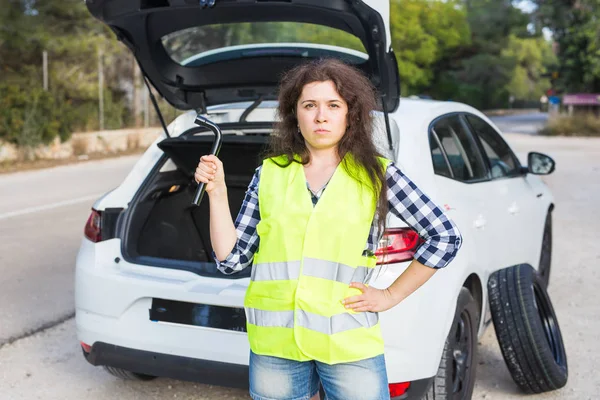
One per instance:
(210,316)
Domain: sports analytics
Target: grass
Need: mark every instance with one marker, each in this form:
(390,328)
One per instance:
(577,125)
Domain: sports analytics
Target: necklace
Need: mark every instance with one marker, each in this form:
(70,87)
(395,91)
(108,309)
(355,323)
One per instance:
(322,187)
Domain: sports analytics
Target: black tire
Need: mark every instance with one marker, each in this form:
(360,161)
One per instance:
(128,375)
(527,329)
(546,253)
(455,378)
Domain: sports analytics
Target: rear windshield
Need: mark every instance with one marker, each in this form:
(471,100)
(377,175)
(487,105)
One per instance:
(190,45)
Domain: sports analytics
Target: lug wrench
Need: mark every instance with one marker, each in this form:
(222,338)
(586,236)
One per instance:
(204,122)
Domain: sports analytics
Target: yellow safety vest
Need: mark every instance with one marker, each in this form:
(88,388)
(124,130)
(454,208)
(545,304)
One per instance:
(306,259)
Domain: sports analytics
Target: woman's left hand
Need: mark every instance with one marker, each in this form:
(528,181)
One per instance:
(371,299)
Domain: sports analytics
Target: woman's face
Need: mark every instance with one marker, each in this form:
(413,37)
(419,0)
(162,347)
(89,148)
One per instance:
(321,115)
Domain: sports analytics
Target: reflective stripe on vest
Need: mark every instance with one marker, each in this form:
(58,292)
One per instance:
(275,271)
(312,267)
(327,325)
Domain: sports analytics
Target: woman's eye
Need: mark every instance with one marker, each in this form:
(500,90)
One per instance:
(335,105)
(309,105)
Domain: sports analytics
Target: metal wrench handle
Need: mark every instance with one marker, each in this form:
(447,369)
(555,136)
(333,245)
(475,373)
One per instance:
(204,122)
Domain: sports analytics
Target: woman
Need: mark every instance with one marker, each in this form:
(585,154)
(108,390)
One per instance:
(311,220)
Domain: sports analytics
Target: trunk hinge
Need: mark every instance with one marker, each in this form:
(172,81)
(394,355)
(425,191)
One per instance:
(203,110)
(252,107)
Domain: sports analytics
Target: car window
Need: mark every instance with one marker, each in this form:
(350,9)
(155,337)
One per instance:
(457,149)
(201,41)
(440,161)
(503,162)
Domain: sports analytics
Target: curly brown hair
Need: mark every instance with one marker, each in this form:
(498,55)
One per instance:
(358,92)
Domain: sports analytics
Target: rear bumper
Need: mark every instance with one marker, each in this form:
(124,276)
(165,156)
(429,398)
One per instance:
(195,370)
(113,303)
(170,366)
(417,390)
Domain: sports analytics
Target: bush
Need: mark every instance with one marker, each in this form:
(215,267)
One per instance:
(577,125)
(85,113)
(32,117)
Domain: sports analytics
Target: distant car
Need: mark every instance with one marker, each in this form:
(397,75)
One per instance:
(149,299)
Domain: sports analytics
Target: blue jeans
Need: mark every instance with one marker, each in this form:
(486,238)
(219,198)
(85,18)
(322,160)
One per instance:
(273,378)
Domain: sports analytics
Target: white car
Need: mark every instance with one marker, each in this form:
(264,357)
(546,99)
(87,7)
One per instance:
(149,299)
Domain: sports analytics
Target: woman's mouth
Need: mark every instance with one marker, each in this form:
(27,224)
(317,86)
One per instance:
(321,131)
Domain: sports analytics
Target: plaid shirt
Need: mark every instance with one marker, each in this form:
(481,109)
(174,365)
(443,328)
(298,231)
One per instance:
(405,200)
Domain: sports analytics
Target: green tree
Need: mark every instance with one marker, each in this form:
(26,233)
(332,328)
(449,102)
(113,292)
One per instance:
(481,72)
(16,40)
(575,26)
(72,38)
(492,22)
(423,33)
(533,56)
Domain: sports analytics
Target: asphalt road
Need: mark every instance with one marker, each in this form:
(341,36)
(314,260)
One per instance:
(527,124)
(42,214)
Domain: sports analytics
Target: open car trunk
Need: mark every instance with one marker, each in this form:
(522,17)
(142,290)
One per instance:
(163,227)
(156,31)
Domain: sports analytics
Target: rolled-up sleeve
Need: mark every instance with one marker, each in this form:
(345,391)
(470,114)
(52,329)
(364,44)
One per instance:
(442,239)
(247,238)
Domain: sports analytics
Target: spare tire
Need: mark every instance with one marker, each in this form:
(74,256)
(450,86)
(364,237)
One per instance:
(527,329)
(546,253)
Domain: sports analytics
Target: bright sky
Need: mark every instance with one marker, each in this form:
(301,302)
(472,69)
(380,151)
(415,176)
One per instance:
(528,7)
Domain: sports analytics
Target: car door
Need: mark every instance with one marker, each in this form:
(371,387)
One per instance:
(516,204)
(461,177)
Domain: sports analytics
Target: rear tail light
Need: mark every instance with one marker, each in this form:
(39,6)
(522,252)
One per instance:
(397,245)
(86,347)
(93,227)
(398,389)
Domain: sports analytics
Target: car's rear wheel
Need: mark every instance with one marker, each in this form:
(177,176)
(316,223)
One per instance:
(527,329)
(124,374)
(455,378)
(546,253)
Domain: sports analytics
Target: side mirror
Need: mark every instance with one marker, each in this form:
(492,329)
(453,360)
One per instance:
(540,164)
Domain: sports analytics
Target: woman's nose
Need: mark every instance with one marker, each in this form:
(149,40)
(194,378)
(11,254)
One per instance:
(321,115)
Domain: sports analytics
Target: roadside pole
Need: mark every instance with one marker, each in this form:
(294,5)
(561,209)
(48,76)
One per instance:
(45,68)
(100,89)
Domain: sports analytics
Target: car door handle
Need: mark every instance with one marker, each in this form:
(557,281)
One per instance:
(480,222)
(513,209)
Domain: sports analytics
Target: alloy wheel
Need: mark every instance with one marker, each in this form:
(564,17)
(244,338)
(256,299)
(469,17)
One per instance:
(461,356)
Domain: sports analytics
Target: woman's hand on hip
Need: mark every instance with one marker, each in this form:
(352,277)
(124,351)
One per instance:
(371,299)
(210,172)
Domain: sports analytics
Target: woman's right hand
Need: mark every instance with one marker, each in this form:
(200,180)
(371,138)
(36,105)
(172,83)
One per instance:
(210,172)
